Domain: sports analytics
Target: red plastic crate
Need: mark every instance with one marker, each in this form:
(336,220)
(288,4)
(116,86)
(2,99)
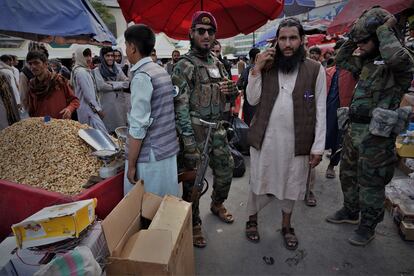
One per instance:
(19,201)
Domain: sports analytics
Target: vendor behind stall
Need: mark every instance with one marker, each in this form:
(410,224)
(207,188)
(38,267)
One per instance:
(49,92)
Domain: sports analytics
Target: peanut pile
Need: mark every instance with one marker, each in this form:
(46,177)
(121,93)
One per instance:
(47,155)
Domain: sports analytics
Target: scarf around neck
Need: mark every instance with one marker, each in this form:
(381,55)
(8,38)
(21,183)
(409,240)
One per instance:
(39,90)
(42,88)
(109,73)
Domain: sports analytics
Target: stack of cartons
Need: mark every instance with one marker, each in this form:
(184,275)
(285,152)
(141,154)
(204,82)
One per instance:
(14,261)
(404,216)
(400,202)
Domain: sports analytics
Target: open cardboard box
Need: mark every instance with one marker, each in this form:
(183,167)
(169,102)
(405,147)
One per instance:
(165,248)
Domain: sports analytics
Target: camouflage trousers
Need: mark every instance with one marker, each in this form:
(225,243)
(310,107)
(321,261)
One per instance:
(367,165)
(221,162)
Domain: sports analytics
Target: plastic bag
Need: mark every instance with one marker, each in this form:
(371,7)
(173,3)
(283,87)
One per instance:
(383,121)
(240,135)
(343,116)
(239,165)
(79,261)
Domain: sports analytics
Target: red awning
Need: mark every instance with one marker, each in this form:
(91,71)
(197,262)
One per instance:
(354,8)
(173,17)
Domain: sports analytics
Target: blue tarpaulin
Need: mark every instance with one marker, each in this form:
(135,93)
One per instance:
(269,34)
(62,21)
(295,7)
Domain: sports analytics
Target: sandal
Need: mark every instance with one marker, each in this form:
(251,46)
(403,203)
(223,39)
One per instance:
(221,212)
(198,238)
(252,233)
(330,173)
(291,242)
(310,200)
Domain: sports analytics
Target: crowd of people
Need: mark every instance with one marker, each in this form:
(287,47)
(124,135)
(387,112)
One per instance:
(291,98)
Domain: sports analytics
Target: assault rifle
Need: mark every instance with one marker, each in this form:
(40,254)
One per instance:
(202,166)
(197,176)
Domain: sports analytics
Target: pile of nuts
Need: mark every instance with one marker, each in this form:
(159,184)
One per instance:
(47,155)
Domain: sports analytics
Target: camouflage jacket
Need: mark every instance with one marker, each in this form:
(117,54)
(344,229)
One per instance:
(382,80)
(184,78)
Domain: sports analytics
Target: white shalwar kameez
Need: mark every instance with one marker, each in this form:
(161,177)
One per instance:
(274,169)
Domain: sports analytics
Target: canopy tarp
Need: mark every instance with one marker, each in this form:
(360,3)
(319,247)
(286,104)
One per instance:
(295,7)
(173,17)
(68,21)
(316,26)
(354,8)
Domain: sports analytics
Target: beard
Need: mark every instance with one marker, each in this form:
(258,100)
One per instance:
(370,55)
(200,50)
(289,64)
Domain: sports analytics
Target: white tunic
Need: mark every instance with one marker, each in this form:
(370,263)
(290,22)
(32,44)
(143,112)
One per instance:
(275,169)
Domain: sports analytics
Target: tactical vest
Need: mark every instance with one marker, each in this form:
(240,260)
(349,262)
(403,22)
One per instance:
(206,100)
(377,87)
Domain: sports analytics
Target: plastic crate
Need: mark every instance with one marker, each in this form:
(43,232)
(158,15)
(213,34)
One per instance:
(19,201)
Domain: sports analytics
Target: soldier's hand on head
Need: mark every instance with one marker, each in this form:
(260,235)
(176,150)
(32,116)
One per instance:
(391,21)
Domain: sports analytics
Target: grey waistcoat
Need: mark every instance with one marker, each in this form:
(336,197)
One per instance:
(161,136)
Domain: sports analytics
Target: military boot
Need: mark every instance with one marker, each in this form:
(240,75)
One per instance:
(362,236)
(343,216)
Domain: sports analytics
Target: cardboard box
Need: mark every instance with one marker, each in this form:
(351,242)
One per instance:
(405,150)
(165,248)
(407,230)
(55,223)
(406,211)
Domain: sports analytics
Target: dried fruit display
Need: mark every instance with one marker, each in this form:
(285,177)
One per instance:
(47,155)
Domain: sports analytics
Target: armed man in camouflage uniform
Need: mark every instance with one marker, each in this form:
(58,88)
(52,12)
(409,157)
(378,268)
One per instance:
(204,91)
(385,71)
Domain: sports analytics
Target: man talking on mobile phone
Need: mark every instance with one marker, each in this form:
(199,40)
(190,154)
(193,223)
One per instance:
(287,133)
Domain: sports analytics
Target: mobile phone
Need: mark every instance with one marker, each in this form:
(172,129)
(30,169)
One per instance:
(271,44)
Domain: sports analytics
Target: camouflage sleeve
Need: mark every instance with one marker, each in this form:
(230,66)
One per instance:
(232,96)
(346,60)
(182,77)
(223,70)
(395,56)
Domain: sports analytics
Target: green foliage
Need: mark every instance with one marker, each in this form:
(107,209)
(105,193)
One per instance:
(106,16)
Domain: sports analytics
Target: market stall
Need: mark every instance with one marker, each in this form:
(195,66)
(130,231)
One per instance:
(47,163)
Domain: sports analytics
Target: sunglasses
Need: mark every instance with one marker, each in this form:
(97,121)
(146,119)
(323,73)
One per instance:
(202,31)
(363,41)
